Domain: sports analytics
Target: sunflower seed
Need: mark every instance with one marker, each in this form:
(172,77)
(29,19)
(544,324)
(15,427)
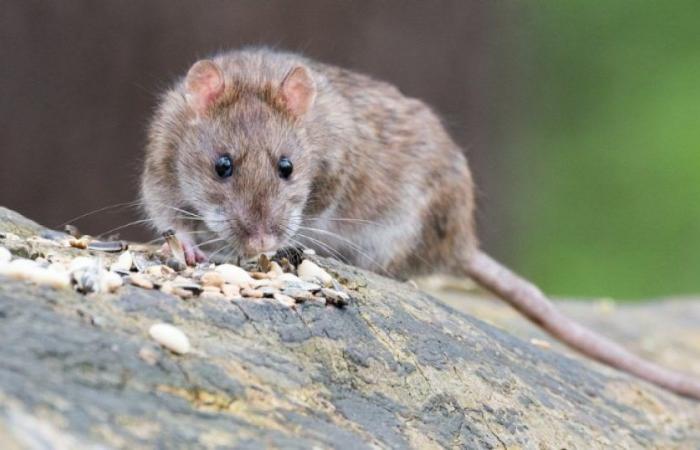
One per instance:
(106,246)
(309,271)
(123,263)
(234,275)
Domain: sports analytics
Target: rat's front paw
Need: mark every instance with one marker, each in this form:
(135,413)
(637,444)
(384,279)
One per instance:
(193,254)
(184,247)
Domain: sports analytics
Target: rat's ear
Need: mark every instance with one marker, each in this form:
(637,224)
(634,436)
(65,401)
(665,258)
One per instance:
(203,85)
(298,91)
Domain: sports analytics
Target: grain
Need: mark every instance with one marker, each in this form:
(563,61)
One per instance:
(170,337)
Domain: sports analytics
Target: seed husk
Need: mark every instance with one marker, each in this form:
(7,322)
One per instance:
(184,283)
(160,271)
(268,291)
(53,236)
(301,284)
(334,297)
(299,294)
(141,262)
(140,280)
(170,337)
(252,293)
(182,293)
(89,276)
(107,246)
(285,300)
(175,264)
(175,246)
(264,263)
(73,231)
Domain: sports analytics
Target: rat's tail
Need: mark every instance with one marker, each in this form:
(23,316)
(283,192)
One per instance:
(530,301)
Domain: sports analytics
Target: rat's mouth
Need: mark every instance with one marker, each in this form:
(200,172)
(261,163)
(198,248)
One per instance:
(260,243)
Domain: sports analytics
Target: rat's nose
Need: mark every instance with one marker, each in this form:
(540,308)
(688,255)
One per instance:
(260,241)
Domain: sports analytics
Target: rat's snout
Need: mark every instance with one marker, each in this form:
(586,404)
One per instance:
(258,241)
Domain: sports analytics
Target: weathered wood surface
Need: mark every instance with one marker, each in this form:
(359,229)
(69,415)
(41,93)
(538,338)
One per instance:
(394,369)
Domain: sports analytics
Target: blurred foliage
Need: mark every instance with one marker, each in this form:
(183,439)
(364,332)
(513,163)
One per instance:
(608,156)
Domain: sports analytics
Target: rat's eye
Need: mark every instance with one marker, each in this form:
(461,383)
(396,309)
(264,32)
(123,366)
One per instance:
(224,166)
(285,167)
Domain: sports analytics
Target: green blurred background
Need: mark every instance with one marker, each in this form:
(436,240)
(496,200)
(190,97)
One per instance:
(580,119)
(607,153)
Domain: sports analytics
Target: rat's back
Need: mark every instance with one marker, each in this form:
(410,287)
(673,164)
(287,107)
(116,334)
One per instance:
(400,171)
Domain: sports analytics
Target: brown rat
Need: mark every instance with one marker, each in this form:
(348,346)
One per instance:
(255,150)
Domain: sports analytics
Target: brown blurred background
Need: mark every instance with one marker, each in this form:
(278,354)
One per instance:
(579,119)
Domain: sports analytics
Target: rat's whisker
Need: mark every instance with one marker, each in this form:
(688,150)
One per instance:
(130,224)
(342,219)
(353,246)
(158,239)
(218,239)
(99,210)
(326,247)
(224,247)
(193,219)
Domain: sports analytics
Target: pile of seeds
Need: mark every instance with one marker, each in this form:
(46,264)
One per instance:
(105,266)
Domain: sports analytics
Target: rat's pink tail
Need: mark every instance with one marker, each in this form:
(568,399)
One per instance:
(530,301)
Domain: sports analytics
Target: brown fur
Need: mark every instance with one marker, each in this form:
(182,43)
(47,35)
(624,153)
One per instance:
(377,181)
(363,152)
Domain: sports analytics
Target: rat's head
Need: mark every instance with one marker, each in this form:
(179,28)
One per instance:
(243,161)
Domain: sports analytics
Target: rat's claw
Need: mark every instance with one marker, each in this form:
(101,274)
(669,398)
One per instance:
(193,255)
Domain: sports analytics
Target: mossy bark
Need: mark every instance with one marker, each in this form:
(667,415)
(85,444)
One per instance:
(395,368)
